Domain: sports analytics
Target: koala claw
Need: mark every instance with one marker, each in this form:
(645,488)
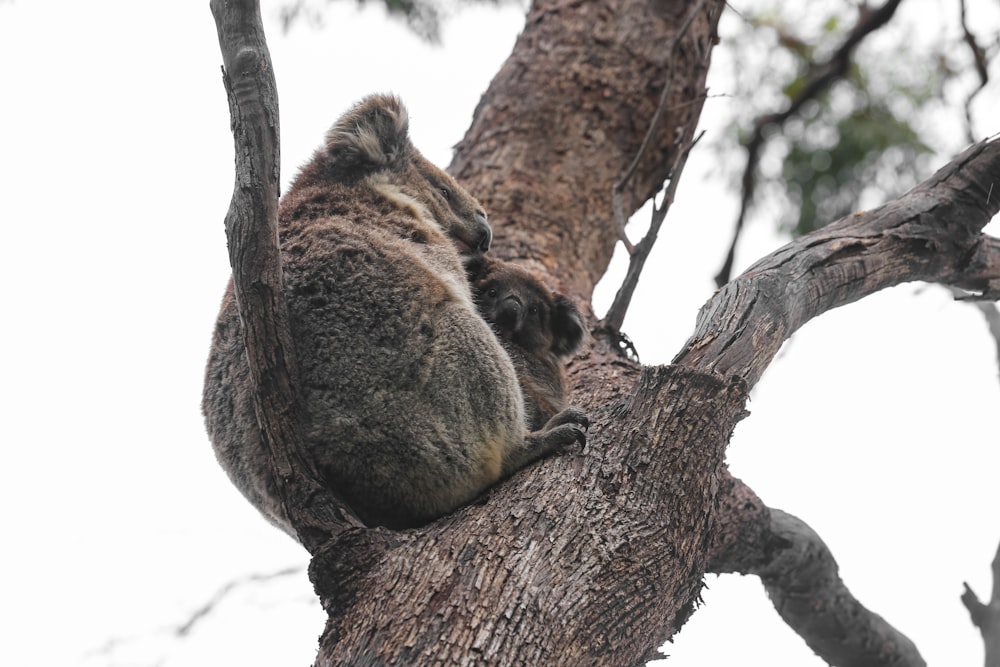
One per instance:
(571,415)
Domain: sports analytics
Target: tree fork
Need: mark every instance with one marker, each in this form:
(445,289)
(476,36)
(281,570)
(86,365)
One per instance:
(609,544)
(612,540)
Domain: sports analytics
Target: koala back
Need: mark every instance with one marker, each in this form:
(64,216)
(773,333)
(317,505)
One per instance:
(411,405)
(538,328)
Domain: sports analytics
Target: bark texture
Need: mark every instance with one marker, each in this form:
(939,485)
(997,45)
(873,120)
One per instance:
(252,232)
(597,557)
(565,116)
(600,570)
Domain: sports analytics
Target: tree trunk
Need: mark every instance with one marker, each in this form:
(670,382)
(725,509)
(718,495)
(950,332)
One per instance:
(597,557)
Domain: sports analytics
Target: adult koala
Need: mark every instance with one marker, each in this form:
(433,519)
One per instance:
(411,405)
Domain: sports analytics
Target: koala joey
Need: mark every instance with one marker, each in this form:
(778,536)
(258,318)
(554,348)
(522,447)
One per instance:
(537,327)
(411,406)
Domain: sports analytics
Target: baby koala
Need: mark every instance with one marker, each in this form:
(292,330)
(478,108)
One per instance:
(537,327)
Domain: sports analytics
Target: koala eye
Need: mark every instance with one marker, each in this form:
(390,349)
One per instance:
(492,291)
(446,193)
(533,310)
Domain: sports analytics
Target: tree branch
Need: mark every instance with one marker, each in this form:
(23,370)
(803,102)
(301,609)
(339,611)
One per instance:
(979,60)
(820,78)
(932,233)
(252,231)
(986,616)
(803,581)
(639,253)
(989,311)
(654,126)
(801,577)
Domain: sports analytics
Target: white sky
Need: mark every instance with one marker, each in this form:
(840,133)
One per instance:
(877,424)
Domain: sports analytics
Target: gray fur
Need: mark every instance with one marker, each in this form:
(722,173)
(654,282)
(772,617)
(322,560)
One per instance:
(411,405)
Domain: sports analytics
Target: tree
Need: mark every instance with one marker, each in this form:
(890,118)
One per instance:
(596,558)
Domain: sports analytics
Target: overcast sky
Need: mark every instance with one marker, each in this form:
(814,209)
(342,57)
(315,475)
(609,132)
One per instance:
(877,424)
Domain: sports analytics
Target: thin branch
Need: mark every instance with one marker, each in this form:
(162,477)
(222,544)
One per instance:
(251,228)
(986,616)
(619,187)
(979,59)
(990,313)
(820,78)
(204,610)
(616,313)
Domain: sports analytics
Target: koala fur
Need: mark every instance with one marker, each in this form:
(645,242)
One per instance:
(411,406)
(538,328)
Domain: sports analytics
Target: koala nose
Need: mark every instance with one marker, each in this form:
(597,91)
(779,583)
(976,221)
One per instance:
(509,312)
(484,233)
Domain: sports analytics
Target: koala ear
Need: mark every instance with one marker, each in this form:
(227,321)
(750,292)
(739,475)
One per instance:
(567,326)
(476,267)
(371,136)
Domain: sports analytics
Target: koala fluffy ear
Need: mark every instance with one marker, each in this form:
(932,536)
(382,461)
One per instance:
(567,326)
(371,136)
(477,267)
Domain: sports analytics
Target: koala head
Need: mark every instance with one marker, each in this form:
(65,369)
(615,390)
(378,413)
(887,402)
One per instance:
(522,310)
(371,141)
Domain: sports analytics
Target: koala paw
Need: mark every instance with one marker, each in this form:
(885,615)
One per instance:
(565,429)
(571,415)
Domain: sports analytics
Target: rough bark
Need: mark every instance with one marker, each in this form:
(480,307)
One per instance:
(588,559)
(564,118)
(597,557)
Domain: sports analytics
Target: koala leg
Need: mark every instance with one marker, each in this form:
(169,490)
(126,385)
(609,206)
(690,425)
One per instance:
(564,429)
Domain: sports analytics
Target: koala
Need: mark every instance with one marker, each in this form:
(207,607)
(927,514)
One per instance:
(537,327)
(411,405)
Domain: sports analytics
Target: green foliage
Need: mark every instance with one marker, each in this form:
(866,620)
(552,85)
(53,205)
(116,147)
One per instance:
(872,150)
(858,142)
